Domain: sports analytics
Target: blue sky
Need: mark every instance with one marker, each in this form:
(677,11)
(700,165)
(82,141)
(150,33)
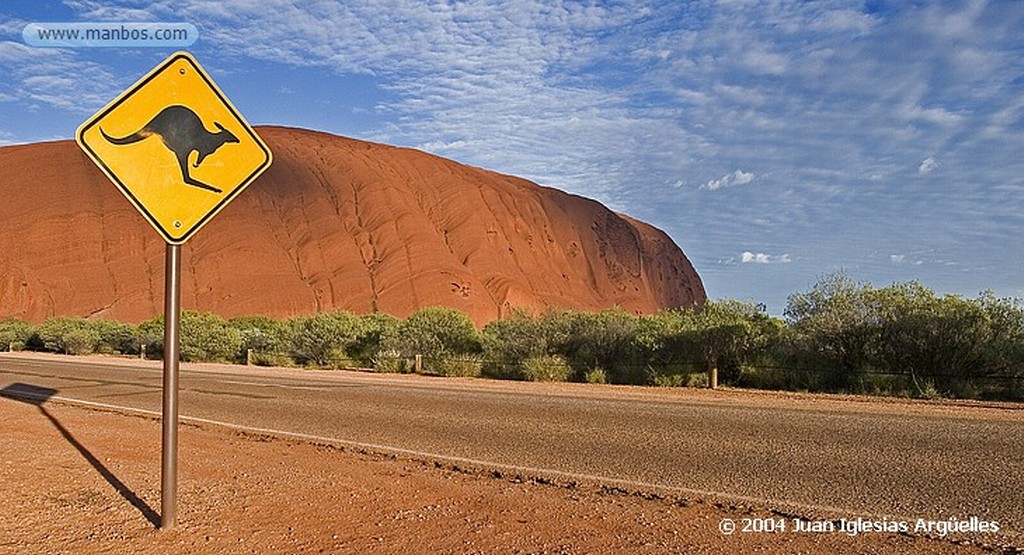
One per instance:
(775,141)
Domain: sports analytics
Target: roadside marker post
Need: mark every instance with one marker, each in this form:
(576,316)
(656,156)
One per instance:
(179,151)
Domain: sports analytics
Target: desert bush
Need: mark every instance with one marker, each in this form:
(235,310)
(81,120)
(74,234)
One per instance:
(833,328)
(727,334)
(80,341)
(671,380)
(455,366)
(547,368)
(116,337)
(323,339)
(375,329)
(732,334)
(953,343)
(697,379)
(853,337)
(151,336)
(838,336)
(586,340)
(71,336)
(269,339)
(595,375)
(770,376)
(667,343)
(391,362)
(509,341)
(206,337)
(15,334)
(436,333)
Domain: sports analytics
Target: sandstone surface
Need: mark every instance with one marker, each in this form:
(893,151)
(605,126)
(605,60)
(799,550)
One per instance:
(335,223)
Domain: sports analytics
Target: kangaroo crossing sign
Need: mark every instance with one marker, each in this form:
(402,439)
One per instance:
(175,146)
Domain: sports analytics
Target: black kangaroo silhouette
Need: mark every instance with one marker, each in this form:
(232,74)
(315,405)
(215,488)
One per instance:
(182,132)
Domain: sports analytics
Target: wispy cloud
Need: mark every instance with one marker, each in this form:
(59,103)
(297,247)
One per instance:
(830,109)
(111,11)
(54,78)
(6,138)
(738,177)
(748,257)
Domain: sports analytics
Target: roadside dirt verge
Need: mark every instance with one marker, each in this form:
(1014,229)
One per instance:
(80,480)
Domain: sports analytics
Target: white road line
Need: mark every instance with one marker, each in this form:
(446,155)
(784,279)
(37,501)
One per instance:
(524,471)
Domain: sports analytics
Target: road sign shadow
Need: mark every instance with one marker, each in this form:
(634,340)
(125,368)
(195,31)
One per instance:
(38,396)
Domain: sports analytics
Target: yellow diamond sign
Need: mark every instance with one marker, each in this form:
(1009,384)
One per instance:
(175,146)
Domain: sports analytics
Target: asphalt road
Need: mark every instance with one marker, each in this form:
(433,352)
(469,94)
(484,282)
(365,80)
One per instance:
(902,460)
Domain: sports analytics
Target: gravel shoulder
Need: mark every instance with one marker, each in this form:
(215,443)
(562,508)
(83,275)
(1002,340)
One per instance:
(83,480)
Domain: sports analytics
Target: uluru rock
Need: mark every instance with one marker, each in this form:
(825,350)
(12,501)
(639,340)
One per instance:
(335,223)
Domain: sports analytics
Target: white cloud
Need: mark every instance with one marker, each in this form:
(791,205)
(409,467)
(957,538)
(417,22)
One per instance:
(738,177)
(843,20)
(11,27)
(493,84)
(55,77)
(442,146)
(766,63)
(761,258)
(938,116)
(927,165)
(617,101)
(897,258)
(103,11)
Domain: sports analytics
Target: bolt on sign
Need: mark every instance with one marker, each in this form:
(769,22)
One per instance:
(175,146)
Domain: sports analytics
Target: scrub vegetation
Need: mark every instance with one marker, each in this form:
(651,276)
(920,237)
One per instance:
(840,336)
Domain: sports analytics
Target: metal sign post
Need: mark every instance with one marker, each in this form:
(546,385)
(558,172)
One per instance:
(178,150)
(169,456)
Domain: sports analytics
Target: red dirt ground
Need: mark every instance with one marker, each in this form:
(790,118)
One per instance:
(80,480)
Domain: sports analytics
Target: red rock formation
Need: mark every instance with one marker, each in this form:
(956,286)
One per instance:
(335,223)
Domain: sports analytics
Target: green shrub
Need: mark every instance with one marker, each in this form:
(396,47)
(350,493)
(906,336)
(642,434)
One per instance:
(151,337)
(595,375)
(391,362)
(269,340)
(15,334)
(697,379)
(509,341)
(436,333)
(324,339)
(839,336)
(80,341)
(116,337)
(587,339)
(853,337)
(206,337)
(70,336)
(546,368)
(768,377)
(461,366)
(671,380)
(375,329)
